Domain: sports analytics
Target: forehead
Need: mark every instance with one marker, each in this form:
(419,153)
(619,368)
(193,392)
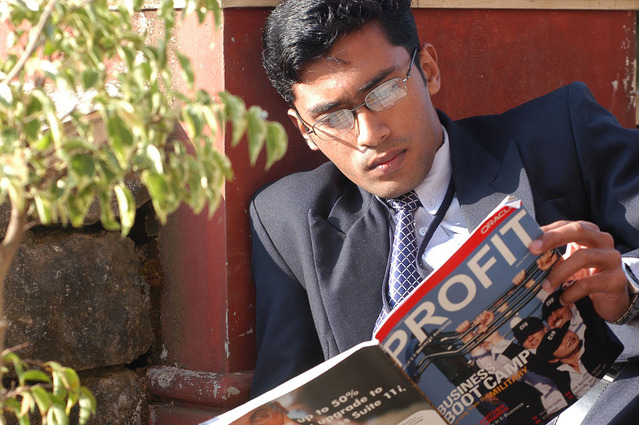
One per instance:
(354,60)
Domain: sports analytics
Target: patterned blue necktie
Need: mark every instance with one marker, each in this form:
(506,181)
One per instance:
(404,275)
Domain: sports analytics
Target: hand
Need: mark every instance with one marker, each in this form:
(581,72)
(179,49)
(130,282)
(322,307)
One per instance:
(592,259)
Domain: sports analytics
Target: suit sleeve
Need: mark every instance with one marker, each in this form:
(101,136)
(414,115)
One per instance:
(609,160)
(287,342)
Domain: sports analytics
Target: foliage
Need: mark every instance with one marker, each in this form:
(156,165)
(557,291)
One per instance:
(57,158)
(51,161)
(50,389)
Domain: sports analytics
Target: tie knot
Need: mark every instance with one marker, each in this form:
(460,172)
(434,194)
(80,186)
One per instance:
(407,202)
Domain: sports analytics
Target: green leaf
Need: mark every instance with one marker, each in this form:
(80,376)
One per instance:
(45,141)
(158,189)
(90,78)
(187,69)
(57,416)
(121,139)
(34,375)
(42,398)
(73,145)
(24,420)
(256,132)
(235,111)
(79,204)
(87,405)
(72,399)
(54,126)
(6,97)
(83,166)
(214,5)
(107,218)
(43,208)
(26,406)
(154,156)
(276,143)
(71,379)
(194,121)
(32,129)
(16,362)
(126,204)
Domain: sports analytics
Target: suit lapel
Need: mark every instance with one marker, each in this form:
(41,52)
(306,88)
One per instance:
(350,249)
(481,180)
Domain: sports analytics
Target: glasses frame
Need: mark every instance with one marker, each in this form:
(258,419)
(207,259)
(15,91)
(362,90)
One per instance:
(310,129)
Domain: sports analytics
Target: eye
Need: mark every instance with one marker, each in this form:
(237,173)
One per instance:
(386,95)
(338,119)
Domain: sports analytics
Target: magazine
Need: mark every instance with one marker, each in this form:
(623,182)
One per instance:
(477,343)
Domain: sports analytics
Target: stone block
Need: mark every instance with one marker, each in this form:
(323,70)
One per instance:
(78,299)
(120,397)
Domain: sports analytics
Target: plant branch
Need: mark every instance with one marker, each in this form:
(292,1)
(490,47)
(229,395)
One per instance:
(8,249)
(33,42)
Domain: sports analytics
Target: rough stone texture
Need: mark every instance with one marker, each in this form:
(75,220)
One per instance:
(78,299)
(120,396)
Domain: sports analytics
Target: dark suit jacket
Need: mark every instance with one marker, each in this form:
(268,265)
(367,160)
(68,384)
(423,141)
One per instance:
(321,244)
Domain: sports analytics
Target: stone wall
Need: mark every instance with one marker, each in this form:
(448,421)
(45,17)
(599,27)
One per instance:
(85,298)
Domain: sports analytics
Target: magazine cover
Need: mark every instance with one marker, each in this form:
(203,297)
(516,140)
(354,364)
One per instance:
(485,344)
(364,386)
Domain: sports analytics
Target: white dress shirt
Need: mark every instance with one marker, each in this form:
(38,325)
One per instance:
(452,232)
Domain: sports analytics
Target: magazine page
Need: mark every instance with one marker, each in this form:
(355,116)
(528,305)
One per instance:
(361,386)
(486,344)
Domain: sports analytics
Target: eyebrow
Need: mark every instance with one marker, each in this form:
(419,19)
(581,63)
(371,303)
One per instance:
(322,108)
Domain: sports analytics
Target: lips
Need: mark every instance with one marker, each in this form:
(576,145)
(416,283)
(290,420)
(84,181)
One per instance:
(570,341)
(388,162)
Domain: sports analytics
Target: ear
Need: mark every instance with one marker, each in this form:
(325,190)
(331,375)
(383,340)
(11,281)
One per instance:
(428,62)
(302,129)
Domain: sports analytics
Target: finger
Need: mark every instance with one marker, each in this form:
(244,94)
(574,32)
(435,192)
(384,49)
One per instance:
(597,259)
(611,283)
(609,303)
(559,234)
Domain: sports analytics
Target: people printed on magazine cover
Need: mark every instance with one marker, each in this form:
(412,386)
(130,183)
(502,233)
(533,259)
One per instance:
(556,314)
(588,326)
(564,347)
(270,414)
(529,332)
(505,357)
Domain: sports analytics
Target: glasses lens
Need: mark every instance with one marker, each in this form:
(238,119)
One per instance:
(386,95)
(334,124)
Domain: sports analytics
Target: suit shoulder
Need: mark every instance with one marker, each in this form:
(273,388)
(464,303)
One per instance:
(544,114)
(301,191)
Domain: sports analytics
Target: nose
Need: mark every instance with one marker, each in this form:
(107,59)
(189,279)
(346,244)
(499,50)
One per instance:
(371,129)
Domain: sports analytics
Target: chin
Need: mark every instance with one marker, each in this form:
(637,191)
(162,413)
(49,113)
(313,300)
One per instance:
(391,189)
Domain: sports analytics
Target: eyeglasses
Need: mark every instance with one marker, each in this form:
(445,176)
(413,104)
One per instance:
(381,98)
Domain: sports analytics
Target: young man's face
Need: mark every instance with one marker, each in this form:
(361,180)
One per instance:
(557,318)
(569,345)
(388,152)
(533,340)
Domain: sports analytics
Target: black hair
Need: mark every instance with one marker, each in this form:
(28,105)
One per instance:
(299,32)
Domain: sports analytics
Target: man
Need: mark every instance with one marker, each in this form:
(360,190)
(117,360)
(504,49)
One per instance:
(359,86)
(529,332)
(556,314)
(566,348)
